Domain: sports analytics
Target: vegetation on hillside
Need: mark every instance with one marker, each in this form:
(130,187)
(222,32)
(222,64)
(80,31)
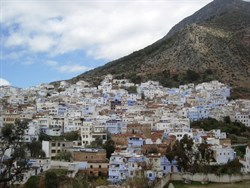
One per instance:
(197,159)
(58,178)
(237,131)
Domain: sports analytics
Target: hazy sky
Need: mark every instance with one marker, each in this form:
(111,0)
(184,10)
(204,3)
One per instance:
(49,40)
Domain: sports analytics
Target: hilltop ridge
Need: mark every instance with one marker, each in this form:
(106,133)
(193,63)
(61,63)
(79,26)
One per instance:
(213,43)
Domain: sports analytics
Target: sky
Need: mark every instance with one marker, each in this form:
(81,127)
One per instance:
(50,40)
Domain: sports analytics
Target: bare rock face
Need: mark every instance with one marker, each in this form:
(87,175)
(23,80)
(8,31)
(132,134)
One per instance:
(213,9)
(213,43)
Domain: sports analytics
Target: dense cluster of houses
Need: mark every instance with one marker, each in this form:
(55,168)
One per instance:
(142,123)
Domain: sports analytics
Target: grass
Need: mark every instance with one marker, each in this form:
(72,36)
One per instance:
(244,184)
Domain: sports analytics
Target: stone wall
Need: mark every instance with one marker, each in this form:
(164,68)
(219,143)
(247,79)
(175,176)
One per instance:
(225,178)
(95,156)
(163,181)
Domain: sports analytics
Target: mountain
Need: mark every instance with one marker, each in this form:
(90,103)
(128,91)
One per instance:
(213,43)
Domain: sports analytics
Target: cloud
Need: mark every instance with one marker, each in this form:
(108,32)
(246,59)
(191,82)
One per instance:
(104,30)
(41,43)
(72,68)
(4,82)
(15,39)
(13,55)
(69,68)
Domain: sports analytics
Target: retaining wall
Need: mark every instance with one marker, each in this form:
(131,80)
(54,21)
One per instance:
(225,178)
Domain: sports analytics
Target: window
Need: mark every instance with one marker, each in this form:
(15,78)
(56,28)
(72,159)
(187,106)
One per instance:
(100,166)
(91,166)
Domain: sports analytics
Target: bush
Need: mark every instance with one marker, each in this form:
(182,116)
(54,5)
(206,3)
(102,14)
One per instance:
(51,180)
(192,76)
(132,89)
(33,182)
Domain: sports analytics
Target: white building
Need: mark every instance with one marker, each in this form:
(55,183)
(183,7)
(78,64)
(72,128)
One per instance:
(172,121)
(90,131)
(32,133)
(222,155)
(243,117)
(118,171)
(52,148)
(72,124)
(246,161)
(179,133)
(218,134)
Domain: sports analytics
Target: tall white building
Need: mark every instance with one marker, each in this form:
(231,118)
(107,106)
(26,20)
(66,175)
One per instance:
(246,161)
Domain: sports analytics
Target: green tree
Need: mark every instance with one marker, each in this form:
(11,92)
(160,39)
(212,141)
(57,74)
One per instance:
(64,156)
(44,136)
(97,143)
(202,158)
(33,182)
(185,158)
(183,152)
(51,180)
(132,89)
(135,78)
(71,136)
(80,181)
(109,146)
(192,75)
(12,140)
(232,167)
(205,154)
(227,119)
(35,148)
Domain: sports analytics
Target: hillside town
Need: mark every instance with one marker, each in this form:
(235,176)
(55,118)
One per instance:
(141,119)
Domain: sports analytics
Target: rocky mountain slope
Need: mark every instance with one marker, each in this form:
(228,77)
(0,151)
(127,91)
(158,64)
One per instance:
(213,43)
